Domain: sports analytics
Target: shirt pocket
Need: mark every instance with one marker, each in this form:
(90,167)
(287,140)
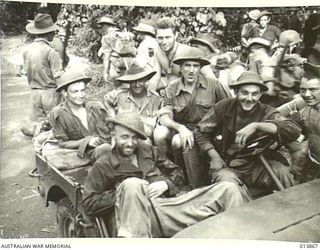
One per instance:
(203,106)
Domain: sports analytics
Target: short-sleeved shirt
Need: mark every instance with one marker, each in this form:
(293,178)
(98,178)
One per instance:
(42,63)
(67,126)
(271,33)
(122,100)
(189,108)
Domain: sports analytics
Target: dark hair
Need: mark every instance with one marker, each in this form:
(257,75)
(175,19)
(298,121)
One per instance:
(45,35)
(309,75)
(166,23)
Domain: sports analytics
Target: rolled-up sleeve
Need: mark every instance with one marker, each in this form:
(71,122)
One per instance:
(55,62)
(206,130)
(168,102)
(59,127)
(287,129)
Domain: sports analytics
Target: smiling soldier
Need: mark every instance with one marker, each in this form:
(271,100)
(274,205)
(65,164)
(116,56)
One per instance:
(236,120)
(167,51)
(135,99)
(306,111)
(186,101)
(144,187)
(78,124)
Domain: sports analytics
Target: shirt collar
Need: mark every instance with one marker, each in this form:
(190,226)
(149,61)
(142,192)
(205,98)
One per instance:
(41,39)
(130,96)
(201,82)
(67,108)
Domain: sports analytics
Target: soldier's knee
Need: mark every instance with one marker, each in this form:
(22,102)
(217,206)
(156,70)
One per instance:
(132,184)
(176,142)
(224,175)
(161,133)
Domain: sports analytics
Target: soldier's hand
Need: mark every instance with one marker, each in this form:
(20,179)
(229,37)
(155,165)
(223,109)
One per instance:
(217,164)
(243,134)
(187,138)
(94,142)
(156,189)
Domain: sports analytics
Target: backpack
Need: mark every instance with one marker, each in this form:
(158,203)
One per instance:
(119,46)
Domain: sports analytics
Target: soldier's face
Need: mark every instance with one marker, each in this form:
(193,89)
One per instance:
(76,93)
(190,71)
(310,91)
(138,86)
(264,20)
(126,141)
(248,96)
(166,39)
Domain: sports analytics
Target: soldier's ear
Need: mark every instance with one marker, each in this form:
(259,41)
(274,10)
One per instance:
(64,93)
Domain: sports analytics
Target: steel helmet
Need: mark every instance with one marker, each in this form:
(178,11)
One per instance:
(289,37)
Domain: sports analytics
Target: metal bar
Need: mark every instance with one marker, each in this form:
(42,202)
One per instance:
(102,227)
(76,207)
(271,172)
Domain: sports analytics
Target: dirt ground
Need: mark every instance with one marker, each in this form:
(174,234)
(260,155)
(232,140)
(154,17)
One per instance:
(22,211)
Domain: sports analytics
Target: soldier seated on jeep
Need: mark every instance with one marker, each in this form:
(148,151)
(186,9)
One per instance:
(144,187)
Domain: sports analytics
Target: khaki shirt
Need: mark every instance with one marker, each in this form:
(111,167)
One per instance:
(189,108)
(43,64)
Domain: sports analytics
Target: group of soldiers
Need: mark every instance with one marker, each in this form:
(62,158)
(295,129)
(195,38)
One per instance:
(164,142)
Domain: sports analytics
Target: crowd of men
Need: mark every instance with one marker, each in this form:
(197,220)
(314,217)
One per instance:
(164,142)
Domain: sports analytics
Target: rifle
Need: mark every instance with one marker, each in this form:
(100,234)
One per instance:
(65,58)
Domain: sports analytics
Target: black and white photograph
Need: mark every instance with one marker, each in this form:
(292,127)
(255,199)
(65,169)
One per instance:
(159,121)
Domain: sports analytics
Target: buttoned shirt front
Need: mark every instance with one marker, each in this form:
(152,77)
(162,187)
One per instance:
(189,108)
(42,63)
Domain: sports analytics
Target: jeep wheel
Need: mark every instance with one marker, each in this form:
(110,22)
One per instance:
(65,219)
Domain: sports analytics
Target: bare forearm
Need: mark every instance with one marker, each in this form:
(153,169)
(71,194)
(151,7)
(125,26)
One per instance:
(267,127)
(213,154)
(167,121)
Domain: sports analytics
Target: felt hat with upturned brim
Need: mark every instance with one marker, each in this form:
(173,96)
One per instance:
(42,24)
(131,121)
(253,14)
(259,41)
(145,26)
(69,77)
(136,73)
(263,13)
(249,78)
(192,54)
(208,39)
(107,20)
